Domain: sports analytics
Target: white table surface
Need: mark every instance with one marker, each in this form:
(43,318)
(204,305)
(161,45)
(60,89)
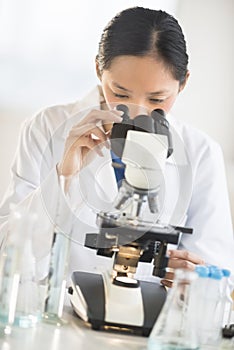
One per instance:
(75,336)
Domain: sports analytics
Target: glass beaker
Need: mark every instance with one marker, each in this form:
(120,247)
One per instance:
(175,328)
(15,264)
(28,304)
(58,266)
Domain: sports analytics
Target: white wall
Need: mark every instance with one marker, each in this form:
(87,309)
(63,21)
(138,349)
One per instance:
(47,54)
(47,51)
(208,101)
(208,98)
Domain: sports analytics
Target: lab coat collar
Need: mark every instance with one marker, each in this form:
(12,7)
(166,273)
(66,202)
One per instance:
(80,108)
(92,100)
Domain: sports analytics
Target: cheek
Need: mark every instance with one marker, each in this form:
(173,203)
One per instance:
(110,100)
(168,104)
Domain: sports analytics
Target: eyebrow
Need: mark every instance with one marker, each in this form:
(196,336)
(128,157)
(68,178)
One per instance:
(120,87)
(160,92)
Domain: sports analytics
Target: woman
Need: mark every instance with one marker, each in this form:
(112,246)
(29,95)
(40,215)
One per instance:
(142,62)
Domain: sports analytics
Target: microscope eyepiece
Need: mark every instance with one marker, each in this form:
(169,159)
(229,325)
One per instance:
(124,109)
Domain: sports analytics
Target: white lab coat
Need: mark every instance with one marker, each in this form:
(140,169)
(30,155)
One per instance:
(194,193)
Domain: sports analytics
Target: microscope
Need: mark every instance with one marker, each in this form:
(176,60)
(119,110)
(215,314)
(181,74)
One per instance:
(116,299)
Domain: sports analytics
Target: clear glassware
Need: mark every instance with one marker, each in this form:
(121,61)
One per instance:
(13,260)
(9,283)
(210,322)
(58,266)
(175,328)
(227,301)
(28,302)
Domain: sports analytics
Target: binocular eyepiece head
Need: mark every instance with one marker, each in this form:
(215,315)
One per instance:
(155,123)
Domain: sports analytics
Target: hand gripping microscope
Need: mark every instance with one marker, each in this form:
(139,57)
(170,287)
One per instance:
(117,299)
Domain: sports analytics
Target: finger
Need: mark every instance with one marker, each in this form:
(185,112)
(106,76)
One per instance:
(107,126)
(78,143)
(166,283)
(92,145)
(181,264)
(100,140)
(169,276)
(185,255)
(98,134)
(84,130)
(105,116)
(96,118)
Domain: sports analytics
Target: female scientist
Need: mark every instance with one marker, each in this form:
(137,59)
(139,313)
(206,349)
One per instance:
(142,62)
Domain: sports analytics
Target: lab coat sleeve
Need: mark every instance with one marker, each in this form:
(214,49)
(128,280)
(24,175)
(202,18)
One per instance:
(209,212)
(29,190)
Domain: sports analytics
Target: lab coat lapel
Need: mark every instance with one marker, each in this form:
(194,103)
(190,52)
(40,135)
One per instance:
(98,184)
(105,177)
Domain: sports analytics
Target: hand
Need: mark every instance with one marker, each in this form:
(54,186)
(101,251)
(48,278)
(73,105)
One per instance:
(91,133)
(180,259)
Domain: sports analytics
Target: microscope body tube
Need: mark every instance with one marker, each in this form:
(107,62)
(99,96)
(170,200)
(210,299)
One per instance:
(145,157)
(143,143)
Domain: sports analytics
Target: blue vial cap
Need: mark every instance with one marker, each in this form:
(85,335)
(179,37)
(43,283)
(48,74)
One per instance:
(226,272)
(202,271)
(213,267)
(216,274)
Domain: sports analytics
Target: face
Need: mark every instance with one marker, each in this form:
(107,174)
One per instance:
(142,83)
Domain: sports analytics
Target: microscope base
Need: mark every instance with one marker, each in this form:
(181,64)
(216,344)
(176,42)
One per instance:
(88,295)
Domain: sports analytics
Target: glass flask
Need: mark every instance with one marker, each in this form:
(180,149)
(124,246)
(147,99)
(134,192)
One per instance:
(175,328)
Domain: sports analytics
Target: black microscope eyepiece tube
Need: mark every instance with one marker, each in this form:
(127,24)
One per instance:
(161,124)
(162,127)
(119,131)
(124,109)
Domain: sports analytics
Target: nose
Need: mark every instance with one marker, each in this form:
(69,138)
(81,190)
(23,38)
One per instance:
(136,109)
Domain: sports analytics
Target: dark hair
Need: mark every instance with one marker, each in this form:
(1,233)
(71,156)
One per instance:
(140,31)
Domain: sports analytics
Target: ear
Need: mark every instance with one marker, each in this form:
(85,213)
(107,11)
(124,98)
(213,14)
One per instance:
(182,86)
(97,69)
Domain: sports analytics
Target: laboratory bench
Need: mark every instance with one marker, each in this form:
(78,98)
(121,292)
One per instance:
(76,335)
